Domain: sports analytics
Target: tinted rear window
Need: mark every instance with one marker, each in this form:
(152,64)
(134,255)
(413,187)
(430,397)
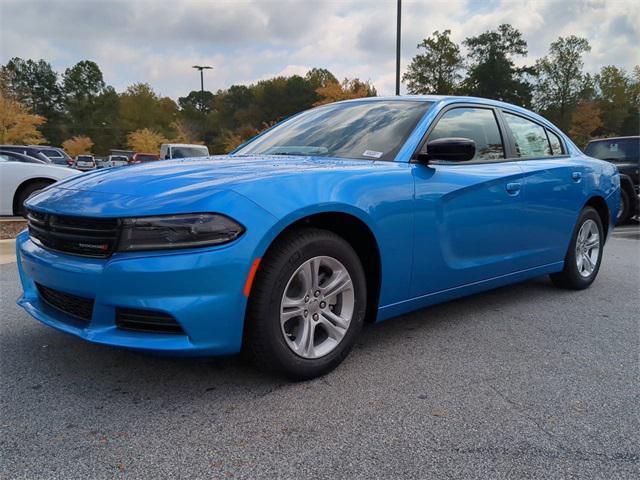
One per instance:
(615,150)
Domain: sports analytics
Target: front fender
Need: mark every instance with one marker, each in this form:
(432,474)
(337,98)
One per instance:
(380,196)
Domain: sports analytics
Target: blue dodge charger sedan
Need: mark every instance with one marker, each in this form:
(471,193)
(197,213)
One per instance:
(350,212)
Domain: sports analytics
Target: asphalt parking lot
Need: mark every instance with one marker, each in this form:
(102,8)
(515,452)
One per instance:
(525,381)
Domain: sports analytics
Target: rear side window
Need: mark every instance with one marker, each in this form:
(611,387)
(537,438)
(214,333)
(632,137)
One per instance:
(556,144)
(477,124)
(530,138)
(52,153)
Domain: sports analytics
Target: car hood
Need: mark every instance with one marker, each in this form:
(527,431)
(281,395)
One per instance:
(182,185)
(171,177)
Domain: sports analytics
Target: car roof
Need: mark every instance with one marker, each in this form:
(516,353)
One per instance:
(637,137)
(443,100)
(184,145)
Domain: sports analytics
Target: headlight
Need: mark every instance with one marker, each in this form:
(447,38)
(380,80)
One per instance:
(177,231)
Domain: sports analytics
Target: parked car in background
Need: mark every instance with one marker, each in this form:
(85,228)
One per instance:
(182,150)
(624,152)
(20,177)
(364,209)
(144,158)
(116,161)
(100,161)
(21,157)
(84,163)
(54,154)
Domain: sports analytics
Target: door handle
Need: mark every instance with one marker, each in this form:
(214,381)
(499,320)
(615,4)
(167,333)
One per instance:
(513,188)
(577,176)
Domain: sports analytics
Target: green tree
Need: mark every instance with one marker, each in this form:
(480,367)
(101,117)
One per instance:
(141,107)
(560,80)
(492,72)
(108,130)
(35,85)
(197,100)
(615,98)
(82,84)
(319,77)
(631,124)
(437,70)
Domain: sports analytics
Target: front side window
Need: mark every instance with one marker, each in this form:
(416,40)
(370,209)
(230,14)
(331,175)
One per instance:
(365,130)
(556,144)
(530,138)
(477,124)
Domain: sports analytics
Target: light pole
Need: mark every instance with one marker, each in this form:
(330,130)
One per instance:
(201,68)
(398,49)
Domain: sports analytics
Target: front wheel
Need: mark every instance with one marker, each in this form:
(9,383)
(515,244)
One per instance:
(582,261)
(307,305)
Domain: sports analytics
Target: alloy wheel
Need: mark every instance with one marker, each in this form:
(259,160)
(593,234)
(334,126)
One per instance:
(587,248)
(317,307)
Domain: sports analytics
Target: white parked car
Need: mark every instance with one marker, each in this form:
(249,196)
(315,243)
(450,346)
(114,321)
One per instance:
(116,161)
(85,162)
(182,150)
(18,180)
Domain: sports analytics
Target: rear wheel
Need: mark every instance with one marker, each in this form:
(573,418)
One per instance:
(582,261)
(625,208)
(307,305)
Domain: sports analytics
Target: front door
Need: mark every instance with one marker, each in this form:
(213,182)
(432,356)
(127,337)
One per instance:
(467,214)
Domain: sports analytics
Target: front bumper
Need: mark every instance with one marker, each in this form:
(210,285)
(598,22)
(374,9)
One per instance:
(200,288)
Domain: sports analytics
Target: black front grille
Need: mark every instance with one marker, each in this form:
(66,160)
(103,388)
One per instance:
(147,321)
(78,307)
(93,237)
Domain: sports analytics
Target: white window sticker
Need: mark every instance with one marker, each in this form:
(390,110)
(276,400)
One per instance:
(371,153)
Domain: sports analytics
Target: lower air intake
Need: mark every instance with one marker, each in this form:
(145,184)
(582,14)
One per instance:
(147,321)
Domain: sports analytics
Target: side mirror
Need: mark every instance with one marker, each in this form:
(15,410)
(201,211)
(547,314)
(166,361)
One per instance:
(449,149)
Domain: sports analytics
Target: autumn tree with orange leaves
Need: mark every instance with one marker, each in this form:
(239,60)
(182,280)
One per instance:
(17,125)
(78,145)
(347,90)
(145,140)
(586,119)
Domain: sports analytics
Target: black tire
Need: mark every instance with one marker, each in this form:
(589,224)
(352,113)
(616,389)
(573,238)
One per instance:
(625,208)
(570,277)
(25,192)
(264,340)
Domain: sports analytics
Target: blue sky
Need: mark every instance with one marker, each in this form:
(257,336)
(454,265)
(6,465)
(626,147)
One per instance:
(157,41)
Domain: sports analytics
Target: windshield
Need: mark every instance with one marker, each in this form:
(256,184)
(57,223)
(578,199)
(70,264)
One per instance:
(371,130)
(186,152)
(617,150)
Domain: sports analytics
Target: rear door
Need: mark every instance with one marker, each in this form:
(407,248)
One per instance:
(467,214)
(553,188)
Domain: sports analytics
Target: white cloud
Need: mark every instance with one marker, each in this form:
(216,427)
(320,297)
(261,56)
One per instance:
(245,41)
